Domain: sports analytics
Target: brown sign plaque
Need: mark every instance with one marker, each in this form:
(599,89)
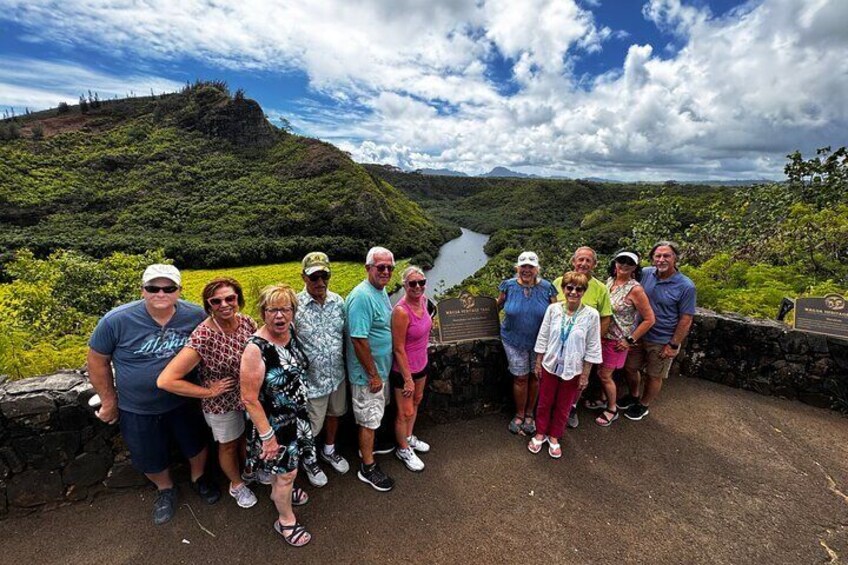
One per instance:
(828,315)
(468,318)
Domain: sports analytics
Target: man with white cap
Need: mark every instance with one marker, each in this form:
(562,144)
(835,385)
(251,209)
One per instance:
(139,339)
(319,323)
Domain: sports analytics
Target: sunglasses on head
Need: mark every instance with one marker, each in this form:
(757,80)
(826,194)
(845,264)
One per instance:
(230,299)
(319,275)
(420,283)
(153,289)
(574,288)
(384,268)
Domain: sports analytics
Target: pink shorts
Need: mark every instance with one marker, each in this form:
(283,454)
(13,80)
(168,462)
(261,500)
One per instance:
(613,359)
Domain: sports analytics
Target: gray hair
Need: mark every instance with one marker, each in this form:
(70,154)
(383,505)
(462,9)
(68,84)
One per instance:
(409,271)
(374,251)
(665,243)
(576,251)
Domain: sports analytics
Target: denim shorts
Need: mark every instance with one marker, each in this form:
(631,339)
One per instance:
(520,362)
(149,436)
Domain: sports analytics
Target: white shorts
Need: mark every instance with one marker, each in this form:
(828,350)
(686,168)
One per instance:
(226,427)
(369,407)
(333,404)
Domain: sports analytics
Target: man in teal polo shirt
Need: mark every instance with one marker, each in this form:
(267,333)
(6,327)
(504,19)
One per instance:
(672,298)
(597,296)
(369,358)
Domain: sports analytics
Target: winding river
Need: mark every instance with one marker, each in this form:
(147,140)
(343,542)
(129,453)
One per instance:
(457,259)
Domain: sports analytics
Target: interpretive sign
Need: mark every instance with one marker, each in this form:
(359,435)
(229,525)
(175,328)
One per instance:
(467,318)
(828,315)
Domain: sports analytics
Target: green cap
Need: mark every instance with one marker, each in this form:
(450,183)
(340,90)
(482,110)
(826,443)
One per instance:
(314,262)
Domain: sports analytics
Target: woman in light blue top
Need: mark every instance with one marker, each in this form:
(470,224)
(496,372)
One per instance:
(524,300)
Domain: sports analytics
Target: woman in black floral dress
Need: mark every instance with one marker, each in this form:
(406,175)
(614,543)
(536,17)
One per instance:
(272,370)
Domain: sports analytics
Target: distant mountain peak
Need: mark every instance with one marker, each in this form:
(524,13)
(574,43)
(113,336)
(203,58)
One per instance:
(503,172)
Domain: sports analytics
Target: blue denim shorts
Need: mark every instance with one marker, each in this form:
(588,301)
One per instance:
(520,362)
(149,436)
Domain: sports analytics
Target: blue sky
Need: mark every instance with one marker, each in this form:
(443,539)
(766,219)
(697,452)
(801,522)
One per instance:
(625,89)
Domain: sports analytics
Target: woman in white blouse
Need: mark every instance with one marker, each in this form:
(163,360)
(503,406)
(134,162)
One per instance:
(568,344)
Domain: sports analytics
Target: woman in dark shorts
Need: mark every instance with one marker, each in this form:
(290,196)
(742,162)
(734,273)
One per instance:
(411,326)
(273,367)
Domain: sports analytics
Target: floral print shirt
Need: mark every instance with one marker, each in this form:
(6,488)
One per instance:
(320,329)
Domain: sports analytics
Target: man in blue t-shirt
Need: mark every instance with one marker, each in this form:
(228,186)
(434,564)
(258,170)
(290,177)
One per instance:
(672,298)
(368,314)
(139,339)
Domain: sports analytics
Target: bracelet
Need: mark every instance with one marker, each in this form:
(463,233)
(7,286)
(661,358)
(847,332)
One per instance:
(674,346)
(267,435)
(629,339)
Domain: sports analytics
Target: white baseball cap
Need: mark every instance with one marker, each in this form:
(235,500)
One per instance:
(160,271)
(528,258)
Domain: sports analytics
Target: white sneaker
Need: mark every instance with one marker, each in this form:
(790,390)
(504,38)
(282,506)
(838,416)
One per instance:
(410,459)
(336,461)
(314,473)
(418,445)
(243,495)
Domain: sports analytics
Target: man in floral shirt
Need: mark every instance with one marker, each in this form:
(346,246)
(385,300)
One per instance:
(319,324)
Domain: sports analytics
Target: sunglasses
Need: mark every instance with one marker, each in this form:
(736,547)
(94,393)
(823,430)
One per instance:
(625,261)
(153,289)
(230,299)
(287,310)
(384,268)
(320,275)
(574,288)
(421,283)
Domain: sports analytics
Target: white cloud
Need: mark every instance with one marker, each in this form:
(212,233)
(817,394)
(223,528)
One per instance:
(35,84)
(412,84)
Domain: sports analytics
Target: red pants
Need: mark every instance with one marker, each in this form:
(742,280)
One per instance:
(556,397)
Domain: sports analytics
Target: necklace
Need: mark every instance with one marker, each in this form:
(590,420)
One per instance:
(220,329)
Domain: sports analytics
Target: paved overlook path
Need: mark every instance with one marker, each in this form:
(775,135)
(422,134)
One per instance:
(713,475)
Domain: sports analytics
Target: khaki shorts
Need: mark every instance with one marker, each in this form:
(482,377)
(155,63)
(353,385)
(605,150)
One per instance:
(369,407)
(645,356)
(226,427)
(333,404)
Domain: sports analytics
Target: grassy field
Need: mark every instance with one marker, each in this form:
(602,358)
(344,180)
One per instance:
(345,276)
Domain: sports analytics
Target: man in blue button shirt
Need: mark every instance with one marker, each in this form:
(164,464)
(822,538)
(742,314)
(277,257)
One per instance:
(672,298)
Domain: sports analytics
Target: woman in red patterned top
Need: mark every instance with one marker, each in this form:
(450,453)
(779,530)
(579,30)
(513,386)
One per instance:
(215,349)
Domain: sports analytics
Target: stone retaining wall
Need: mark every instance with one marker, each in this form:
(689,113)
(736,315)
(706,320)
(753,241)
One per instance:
(54,451)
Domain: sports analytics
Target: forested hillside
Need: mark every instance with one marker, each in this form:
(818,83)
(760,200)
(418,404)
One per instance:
(201,175)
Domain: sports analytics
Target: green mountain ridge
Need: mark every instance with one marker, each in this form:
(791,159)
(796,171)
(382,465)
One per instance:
(199,174)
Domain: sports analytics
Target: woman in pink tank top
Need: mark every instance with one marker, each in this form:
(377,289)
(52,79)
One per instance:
(411,325)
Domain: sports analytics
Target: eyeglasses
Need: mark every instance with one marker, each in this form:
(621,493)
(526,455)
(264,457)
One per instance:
(419,283)
(574,288)
(320,275)
(229,299)
(287,310)
(384,268)
(153,289)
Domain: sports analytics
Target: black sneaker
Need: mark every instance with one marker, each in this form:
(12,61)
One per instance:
(637,412)
(164,506)
(375,477)
(206,490)
(626,402)
(383,448)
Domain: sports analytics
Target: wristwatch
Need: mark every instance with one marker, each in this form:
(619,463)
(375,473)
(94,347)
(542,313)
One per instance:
(629,339)
(674,346)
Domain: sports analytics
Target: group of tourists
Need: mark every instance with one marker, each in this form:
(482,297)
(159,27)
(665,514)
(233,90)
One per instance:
(555,333)
(266,391)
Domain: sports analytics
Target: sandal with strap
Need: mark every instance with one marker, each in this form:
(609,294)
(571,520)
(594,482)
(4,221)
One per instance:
(529,426)
(607,417)
(515,424)
(299,496)
(297,536)
(535,445)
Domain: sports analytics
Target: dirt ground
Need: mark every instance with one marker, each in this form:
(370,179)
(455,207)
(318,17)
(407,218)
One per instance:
(712,475)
